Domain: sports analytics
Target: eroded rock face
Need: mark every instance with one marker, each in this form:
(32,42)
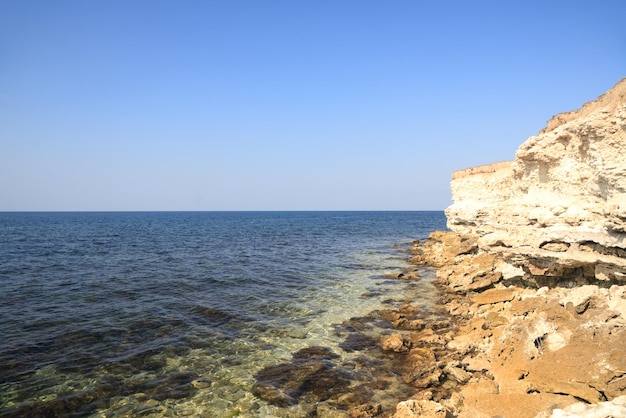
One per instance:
(535,272)
(523,351)
(550,346)
(558,211)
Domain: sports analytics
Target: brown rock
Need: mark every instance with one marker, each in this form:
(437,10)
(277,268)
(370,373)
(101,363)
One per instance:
(323,410)
(457,374)
(310,377)
(590,367)
(420,409)
(426,336)
(421,354)
(462,343)
(487,405)
(420,369)
(394,342)
(408,309)
(581,298)
(411,275)
(490,296)
(479,387)
(474,273)
(404,323)
(365,411)
(476,363)
(442,247)
(458,308)
(389,315)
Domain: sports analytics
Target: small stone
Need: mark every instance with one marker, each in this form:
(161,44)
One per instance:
(323,410)
(201,383)
(389,315)
(457,374)
(462,343)
(422,354)
(409,309)
(409,276)
(558,247)
(580,298)
(426,336)
(365,411)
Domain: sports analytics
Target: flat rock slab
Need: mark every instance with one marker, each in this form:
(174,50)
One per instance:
(494,296)
(485,405)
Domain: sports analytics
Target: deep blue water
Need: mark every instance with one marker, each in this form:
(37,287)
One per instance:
(99,310)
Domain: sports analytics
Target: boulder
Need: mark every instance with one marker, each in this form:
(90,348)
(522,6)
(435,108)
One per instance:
(394,342)
(420,409)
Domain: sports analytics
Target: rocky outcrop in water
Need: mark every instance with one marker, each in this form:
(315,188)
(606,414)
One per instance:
(535,273)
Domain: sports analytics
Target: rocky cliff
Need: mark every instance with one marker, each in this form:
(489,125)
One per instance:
(533,273)
(557,212)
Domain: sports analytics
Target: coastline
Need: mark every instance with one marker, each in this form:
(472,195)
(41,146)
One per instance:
(372,370)
(490,347)
(519,352)
(190,320)
(533,274)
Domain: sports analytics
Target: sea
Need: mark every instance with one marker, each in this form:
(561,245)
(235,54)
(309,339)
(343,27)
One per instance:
(107,314)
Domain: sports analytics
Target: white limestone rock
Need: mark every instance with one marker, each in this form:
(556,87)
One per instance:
(615,408)
(562,200)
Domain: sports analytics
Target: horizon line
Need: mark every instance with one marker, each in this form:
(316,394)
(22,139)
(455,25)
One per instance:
(214,210)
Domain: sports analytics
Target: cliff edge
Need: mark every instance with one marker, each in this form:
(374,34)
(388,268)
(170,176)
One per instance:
(558,210)
(533,271)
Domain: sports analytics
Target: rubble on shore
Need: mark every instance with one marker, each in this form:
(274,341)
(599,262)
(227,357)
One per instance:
(515,351)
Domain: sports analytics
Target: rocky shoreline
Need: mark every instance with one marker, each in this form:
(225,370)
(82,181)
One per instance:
(495,348)
(533,277)
(394,352)
(517,351)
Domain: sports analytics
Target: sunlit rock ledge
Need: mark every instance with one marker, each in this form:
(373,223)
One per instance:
(533,274)
(559,208)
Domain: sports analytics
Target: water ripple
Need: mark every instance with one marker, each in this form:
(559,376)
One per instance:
(120,312)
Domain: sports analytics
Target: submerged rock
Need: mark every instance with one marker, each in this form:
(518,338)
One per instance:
(357,342)
(311,376)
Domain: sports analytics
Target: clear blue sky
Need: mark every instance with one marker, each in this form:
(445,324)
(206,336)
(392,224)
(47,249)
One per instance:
(283,105)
